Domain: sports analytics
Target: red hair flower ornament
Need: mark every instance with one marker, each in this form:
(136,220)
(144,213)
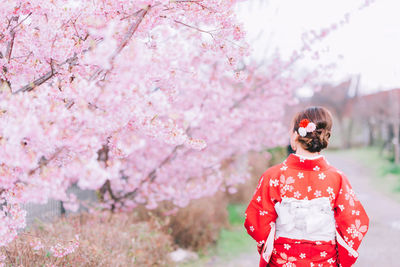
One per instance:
(305,126)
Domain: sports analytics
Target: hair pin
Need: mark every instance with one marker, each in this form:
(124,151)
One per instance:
(305,126)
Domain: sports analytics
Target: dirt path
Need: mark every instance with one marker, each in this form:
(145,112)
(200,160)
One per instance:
(381,246)
(241,260)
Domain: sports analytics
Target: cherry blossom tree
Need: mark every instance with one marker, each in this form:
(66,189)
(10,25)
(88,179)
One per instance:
(141,100)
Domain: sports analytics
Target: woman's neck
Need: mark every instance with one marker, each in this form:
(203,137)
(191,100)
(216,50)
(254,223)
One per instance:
(302,152)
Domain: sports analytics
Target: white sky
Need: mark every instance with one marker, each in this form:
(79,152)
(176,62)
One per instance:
(369,44)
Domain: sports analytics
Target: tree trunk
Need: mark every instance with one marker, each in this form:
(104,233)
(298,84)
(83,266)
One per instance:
(396,149)
(370,133)
(349,132)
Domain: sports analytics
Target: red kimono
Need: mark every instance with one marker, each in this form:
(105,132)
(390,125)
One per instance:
(305,213)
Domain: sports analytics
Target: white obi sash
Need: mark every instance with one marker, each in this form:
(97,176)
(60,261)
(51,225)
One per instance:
(305,219)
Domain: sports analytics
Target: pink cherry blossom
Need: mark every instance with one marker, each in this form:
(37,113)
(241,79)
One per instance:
(143,101)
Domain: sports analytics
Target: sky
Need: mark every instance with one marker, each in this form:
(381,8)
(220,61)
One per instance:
(368,45)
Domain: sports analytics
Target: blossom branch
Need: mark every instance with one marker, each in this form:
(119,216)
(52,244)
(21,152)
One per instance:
(72,60)
(208,32)
(22,21)
(263,83)
(10,44)
(106,187)
(195,2)
(43,161)
(193,27)
(153,174)
(39,81)
(131,31)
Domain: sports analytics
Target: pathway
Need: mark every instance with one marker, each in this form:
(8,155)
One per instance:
(381,245)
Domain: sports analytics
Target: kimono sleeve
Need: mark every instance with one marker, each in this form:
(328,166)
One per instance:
(260,212)
(352,223)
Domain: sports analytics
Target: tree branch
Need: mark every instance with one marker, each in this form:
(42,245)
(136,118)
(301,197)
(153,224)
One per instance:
(43,161)
(262,83)
(151,176)
(131,31)
(193,27)
(19,23)
(208,32)
(10,46)
(198,2)
(39,81)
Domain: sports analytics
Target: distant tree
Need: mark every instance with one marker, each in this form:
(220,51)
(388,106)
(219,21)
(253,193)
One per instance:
(339,98)
(381,111)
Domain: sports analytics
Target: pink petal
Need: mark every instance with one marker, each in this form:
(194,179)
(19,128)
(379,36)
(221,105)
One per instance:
(283,255)
(280,261)
(363,229)
(290,180)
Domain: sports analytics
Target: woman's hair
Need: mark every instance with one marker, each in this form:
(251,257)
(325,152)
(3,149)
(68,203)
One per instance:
(317,140)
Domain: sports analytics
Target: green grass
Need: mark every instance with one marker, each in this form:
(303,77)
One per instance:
(236,213)
(392,169)
(235,240)
(382,162)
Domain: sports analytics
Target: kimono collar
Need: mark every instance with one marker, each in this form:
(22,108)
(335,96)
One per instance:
(318,163)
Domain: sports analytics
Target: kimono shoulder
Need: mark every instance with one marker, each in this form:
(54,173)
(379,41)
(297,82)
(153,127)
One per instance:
(274,171)
(269,180)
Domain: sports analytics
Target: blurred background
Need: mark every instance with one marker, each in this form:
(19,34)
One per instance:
(360,59)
